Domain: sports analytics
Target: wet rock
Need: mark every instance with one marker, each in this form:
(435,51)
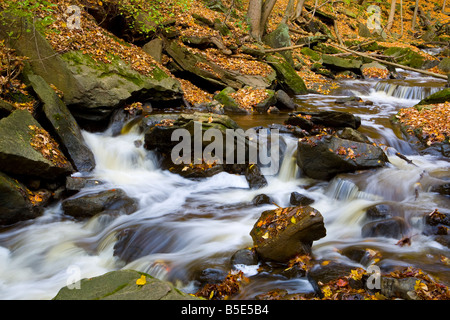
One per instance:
(255,178)
(230,105)
(261,199)
(353,135)
(325,272)
(322,157)
(18,156)
(15,203)
(121,285)
(88,205)
(298,199)
(283,233)
(443,239)
(394,227)
(244,256)
(436,223)
(284,101)
(335,119)
(75,184)
(437,97)
(379,211)
(211,275)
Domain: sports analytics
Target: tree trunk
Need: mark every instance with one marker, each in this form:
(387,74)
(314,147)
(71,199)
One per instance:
(414,18)
(254,18)
(265,13)
(289,12)
(391,15)
(298,9)
(443,7)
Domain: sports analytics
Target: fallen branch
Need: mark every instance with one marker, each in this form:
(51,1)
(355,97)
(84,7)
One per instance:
(436,75)
(284,48)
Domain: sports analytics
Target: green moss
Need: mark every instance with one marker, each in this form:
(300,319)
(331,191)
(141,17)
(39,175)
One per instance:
(406,56)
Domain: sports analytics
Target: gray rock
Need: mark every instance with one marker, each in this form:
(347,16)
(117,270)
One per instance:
(121,285)
(394,227)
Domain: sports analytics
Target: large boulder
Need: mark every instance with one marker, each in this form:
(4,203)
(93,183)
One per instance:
(322,157)
(106,86)
(283,233)
(64,125)
(92,89)
(122,285)
(406,57)
(27,149)
(15,202)
(336,119)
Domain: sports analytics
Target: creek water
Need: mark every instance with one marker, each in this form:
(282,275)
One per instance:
(184,226)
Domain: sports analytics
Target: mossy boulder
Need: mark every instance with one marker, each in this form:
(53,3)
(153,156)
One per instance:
(314,55)
(108,85)
(19,156)
(437,97)
(406,57)
(287,77)
(340,64)
(280,38)
(121,285)
(444,65)
(230,105)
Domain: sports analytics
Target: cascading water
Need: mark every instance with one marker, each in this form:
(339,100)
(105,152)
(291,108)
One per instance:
(184,226)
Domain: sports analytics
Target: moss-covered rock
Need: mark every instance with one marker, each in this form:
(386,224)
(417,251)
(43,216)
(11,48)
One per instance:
(340,64)
(121,285)
(406,57)
(315,56)
(287,77)
(230,105)
(437,97)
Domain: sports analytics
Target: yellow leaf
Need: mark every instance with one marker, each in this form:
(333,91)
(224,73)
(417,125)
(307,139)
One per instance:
(293,220)
(141,281)
(325,263)
(211,295)
(266,235)
(420,286)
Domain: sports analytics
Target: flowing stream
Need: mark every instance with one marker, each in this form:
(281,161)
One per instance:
(184,226)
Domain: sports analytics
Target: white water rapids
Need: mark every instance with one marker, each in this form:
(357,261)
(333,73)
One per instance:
(183,226)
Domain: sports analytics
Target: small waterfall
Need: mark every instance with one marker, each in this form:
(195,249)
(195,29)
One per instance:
(289,169)
(405,92)
(342,189)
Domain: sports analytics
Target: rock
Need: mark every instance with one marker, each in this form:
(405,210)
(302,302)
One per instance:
(329,272)
(92,89)
(230,105)
(353,135)
(5,108)
(364,31)
(394,227)
(64,125)
(75,184)
(217,76)
(314,55)
(261,199)
(324,157)
(280,38)
(399,288)
(444,65)
(246,257)
(437,97)
(283,233)
(298,120)
(154,48)
(341,64)
(287,77)
(443,189)
(255,178)
(284,101)
(15,203)
(211,276)
(121,285)
(336,119)
(443,240)
(18,156)
(267,103)
(406,56)
(379,211)
(88,205)
(298,199)
(107,85)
